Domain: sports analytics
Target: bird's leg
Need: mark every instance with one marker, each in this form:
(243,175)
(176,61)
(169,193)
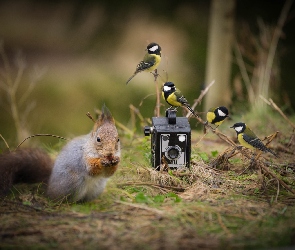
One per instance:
(155,74)
(207,124)
(158,94)
(172,108)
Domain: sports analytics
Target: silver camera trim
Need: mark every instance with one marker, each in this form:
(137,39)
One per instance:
(178,155)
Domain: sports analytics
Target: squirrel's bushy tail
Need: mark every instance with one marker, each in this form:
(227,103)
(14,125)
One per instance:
(24,165)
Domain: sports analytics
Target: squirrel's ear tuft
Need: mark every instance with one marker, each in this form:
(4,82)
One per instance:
(106,116)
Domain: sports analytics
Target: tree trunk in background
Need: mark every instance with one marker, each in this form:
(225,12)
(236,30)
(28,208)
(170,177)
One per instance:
(218,68)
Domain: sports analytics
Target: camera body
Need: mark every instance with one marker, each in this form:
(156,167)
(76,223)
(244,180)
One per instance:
(170,141)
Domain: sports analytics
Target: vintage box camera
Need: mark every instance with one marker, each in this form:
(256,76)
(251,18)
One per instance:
(170,140)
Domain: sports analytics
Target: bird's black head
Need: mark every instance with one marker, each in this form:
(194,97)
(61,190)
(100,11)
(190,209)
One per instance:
(221,111)
(154,48)
(168,87)
(239,127)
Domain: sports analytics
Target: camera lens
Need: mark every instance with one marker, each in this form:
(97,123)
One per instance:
(173,152)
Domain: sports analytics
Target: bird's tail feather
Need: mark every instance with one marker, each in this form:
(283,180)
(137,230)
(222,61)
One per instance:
(272,152)
(130,78)
(191,110)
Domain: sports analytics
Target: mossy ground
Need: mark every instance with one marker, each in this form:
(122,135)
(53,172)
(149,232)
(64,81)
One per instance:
(204,207)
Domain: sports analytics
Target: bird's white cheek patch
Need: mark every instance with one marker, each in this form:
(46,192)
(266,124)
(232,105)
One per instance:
(239,129)
(166,88)
(220,113)
(154,48)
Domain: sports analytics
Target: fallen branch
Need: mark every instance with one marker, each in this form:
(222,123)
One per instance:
(266,169)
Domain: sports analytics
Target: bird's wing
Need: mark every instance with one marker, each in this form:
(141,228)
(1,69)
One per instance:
(180,97)
(255,142)
(147,62)
(143,66)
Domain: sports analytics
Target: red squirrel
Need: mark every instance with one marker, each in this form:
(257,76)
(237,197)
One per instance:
(80,171)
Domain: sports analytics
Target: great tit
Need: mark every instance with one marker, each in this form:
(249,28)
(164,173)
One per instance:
(217,115)
(174,97)
(248,139)
(150,61)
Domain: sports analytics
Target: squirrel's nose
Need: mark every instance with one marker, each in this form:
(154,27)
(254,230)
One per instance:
(109,155)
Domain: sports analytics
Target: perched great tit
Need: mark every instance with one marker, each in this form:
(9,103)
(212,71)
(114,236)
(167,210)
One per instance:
(174,97)
(150,61)
(248,139)
(217,115)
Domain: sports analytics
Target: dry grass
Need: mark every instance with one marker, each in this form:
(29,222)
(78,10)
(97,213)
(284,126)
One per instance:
(203,207)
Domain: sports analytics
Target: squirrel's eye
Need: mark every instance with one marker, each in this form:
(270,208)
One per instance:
(98,139)
(118,140)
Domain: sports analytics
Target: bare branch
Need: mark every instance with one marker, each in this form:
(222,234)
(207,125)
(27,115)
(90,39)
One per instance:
(203,93)
(274,106)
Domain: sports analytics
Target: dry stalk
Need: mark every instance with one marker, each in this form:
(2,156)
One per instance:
(5,142)
(154,210)
(9,83)
(159,186)
(31,136)
(90,117)
(271,103)
(199,99)
(158,94)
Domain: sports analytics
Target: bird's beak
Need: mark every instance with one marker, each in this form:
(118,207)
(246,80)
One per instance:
(232,127)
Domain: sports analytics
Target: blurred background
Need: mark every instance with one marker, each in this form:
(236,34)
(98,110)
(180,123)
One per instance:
(61,59)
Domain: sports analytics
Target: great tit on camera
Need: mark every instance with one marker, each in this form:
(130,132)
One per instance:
(217,115)
(174,97)
(150,61)
(248,139)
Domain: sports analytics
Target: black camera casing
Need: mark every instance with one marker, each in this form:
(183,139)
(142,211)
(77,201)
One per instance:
(170,141)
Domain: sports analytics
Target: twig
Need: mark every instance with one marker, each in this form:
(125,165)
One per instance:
(203,93)
(90,117)
(124,128)
(143,99)
(275,39)
(266,169)
(179,189)
(5,142)
(154,210)
(31,136)
(271,103)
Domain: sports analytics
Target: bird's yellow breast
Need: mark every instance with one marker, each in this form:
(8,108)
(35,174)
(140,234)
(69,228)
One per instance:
(218,123)
(243,142)
(210,116)
(172,100)
(157,61)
